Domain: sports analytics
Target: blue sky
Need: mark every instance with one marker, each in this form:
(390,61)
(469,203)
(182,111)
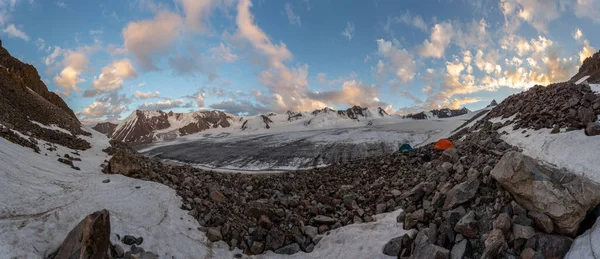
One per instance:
(108,58)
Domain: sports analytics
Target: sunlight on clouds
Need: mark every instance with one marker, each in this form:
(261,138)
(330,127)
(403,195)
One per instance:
(440,38)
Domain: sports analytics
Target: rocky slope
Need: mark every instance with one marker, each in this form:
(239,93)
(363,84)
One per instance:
(106,128)
(438,113)
(24,100)
(590,67)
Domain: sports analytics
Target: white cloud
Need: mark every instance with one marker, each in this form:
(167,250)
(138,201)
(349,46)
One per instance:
(415,21)
(14,32)
(587,9)
(112,75)
(146,95)
(440,38)
(349,31)
(197,13)
(113,50)
(75,63)
(351,93)
(367,58)
(50,59)
(398,61)
(149,38)
(40,43)
(538,13)
(163,105)
(223,53)
(292,17)
(587,51)
(61,4)
(577,34)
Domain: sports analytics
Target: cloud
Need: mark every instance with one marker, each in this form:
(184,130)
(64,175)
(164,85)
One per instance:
(349,31)
(164,105)
(587,51)
(96,32)
(351,93)
(113,50)
(112,75)
(577,34)
(190,64)
(223,53)
(13,32)
(109,107)
(50,59)
(240,107)
(40,43)
(197,14)
(440,38)
(147,39)
(408,19)
(74,62)
(367,58)
(398,61)
(587,9)
(61,4)
(538,13)
(147,95)
(322,78)
(292,17)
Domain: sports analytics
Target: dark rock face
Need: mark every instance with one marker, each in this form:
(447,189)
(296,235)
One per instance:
(590,67)
(438,113)
(106,128)
(140,127)
(89,239)
(24,98)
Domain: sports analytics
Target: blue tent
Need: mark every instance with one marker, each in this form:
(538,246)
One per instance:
(406,147)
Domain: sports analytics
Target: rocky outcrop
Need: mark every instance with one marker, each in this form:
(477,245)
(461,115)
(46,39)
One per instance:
(90,239)
(589,67)
(564,197)
(106,128)
(438,113)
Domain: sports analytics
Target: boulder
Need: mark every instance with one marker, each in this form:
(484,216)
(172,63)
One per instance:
(495,244)
(467,226)
(503,223)
(542,221)
(214,234)
(563,197)
(592,129)
(89,239)
(289,249)
(393,247)
(460,250)
(424,249)
(524,232)
(322,219)
(124,163)
(554,246)
(461,193)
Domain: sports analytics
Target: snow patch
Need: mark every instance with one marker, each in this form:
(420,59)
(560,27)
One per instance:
(595,88)
(52,127)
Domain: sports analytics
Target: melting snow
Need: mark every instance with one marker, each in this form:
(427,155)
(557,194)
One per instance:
(52,127)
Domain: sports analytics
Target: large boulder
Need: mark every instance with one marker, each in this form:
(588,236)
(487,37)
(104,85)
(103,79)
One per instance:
(563,197)
(123,162)
(90,239)
(424,249)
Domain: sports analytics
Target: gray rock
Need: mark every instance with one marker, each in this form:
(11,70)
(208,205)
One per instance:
(396,193)
(322,219)
(586,115)
(214,234)
(450,155)
(555,246)
(495,244)
(524,232)
(148,255)
(128,240)
(497,125)
(89,239)
(380,208)
(311,231)
(542,221)
(592,129)
(412,219)
(461,193)
(424,249)
(555,130)
(119,252)
(563,197)
(467,225)
(459,250)
(106,181)
(503,223)
(393,247)
(401,216)
(522,220)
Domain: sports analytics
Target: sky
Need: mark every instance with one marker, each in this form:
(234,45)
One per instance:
(108,58)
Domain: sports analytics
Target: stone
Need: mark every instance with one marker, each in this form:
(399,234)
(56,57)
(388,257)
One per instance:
(497,125)
(249,188)
(592,129)
(495,244)
(139,241)
(136,250)
(119,252)
(89,239)
(586,115)
(412,219)
(503,223)
(396,193)
(265,222)
(129,240)
(214,234)
(311,231)
(217,196)
(65,161)
(467,226)
(517,209)
(446,166)
(393,247)
(554,246)
(450,155)
(524,232)
(424,249)
(542,222)
(401,216)
(148,255)
(461,193)
(529,253)
(322,219)
(563,197)
(380,208)
(522,220)
(460,250)
(257,247)
(106,181)
(289,249)
(555,130)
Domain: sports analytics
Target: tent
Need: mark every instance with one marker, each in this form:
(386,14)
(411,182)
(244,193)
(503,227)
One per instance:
(443,144)
(406,147)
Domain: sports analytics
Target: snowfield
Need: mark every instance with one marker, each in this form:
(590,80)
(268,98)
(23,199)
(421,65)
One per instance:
(42,200)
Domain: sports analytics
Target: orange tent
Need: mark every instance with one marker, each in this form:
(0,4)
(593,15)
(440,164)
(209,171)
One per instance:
(443,144)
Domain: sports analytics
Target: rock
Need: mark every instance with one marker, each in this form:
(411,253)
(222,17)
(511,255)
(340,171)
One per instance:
(139,241)
(393,247)
(522,220)
(311,231)
(396,193)
(424,249)
(412,219)
(503,223)
(289,249)
(554,246)
(148,255)
(257,247)
(249,188)
(136,250)
(460,250)
(528,253)
(592,129)
(380,208)
(89,239)
(450,155)
(275,239)
(217,196)
(214,234)
(517,209)
(65,161)
(129,240)
(461,193)
(119,252)
(446,166)
(495,244)
(555,130)
(563,197)
(542,221)
(497,125)
(322,219)
(265,222)
(586,115)
(106,181)
(401,216)
(467,226)
(524,232)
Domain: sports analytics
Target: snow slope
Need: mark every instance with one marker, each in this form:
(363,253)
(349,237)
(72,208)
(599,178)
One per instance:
(41,200)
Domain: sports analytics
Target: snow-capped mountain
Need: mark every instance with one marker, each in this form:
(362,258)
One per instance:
(106,128)
(143,127)
(438,114)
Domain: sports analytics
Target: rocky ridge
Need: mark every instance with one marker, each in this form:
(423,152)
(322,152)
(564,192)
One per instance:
(438,113)
(106,128)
